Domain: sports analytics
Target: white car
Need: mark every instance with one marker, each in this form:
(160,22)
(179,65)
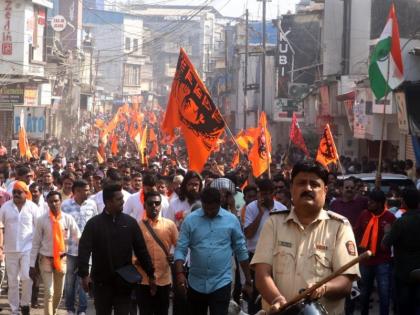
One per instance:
(388,180)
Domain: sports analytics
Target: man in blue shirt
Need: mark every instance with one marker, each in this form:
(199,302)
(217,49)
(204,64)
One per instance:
(213,235)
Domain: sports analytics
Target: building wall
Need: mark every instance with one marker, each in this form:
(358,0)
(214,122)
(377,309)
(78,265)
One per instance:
(22,23)
(332,37)
(360,37)
(109,41)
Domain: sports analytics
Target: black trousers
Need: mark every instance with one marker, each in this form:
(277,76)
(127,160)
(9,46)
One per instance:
(153,305)
(108,298)
(253,307)
(217,301)
(408,298)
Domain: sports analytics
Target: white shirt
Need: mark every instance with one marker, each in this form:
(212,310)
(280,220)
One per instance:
(98,198)
(43,242)
(42,205)
(177,210)
(19,226)
(134,208)
(251,212)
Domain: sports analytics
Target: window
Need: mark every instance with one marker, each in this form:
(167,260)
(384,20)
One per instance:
(135,44)
(127,43)
(131,75)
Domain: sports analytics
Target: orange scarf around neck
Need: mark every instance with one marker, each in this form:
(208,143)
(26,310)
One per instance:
(371,233)
(58,241)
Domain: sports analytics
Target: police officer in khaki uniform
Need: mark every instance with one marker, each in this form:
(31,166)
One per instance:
(301,247)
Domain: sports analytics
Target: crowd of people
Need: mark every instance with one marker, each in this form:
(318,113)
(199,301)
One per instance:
(149,237)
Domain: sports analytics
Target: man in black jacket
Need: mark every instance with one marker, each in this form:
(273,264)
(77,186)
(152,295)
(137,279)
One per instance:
(111,237)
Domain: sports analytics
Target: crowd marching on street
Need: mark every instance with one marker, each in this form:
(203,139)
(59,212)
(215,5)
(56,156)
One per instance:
(155,212)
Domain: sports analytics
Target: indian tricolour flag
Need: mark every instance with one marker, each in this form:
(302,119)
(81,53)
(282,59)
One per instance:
(386,67)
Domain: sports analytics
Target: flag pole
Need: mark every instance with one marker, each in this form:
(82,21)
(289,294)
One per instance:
(381,143)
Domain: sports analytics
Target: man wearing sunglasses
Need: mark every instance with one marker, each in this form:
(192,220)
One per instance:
(18,217)
(156,229)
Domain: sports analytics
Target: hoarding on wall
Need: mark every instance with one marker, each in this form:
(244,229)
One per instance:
(402,113)
(31,95)
(12,94)
(284,108)
(363,121)
(35,121)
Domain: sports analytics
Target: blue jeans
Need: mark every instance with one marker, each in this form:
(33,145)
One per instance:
(73,286)
(382,274)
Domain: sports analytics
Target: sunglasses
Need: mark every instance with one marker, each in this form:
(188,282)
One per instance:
(154,203)
(17,192)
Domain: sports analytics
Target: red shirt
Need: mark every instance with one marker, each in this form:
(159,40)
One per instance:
(350,209)
(383,254)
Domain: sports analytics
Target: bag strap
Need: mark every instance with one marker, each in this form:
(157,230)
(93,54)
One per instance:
(156,238)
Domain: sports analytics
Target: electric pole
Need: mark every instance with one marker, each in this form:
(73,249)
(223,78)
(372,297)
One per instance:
(264,38)
(246,69)
(226,61)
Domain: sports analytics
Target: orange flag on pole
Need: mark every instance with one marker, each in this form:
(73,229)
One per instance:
(114,145)
(327,151)
(142,146)
(235,160)
(24,148)
(153,139)
(260,153)
(191,109)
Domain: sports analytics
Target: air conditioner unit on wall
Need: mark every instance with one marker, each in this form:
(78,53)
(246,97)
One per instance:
(297,90)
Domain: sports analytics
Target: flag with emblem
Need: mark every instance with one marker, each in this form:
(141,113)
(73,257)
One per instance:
(327,151)
(260,153)
(386,70)
(191,109)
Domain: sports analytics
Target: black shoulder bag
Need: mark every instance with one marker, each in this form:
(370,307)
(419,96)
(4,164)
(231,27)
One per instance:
(169,257)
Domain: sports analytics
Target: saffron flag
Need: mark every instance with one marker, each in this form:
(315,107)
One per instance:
(191,109)
(260,153)
(296,136)
(327,152)
(24,148)
(114,145)
(142,146)
(386,71)
(245,138)
(153,139)
(236,159)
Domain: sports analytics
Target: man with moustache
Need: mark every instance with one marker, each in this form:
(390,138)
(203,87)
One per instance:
(18,217)
(300,247)
(189,194)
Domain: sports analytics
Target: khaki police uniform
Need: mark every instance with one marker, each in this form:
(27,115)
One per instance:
(300,255)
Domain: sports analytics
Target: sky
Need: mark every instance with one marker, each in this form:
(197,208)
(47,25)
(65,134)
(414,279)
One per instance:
(237,8)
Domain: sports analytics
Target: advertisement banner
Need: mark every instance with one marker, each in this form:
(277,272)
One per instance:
(363,121)
(402,113)
(35,121)
(12,94)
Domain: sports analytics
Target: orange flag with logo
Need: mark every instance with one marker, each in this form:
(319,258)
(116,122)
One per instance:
(327,151)
(191,108)
(260,153)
